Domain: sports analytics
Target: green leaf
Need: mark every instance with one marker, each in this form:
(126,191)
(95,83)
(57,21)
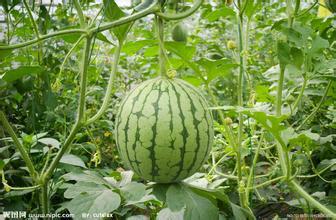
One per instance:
(219,13)
(85,176)
(102,202)
(195,207)
(283,53)
(176,200)
(132,47)
(181,49)
(318,45)
(251,7)
(160,190)
(138,217)
(2,164)
(263,94)
(143,5)
(72,160)
(83,187)
(133,191)
(103,38)
(304,138)
(186,53)
(70,38)
(193,80)
(15,193)
(298,57)
(14,74)
(325,163)
(269,122)
(50,141)
(112,13)
(167,214)
(216,68)
(238,212)
(5,53)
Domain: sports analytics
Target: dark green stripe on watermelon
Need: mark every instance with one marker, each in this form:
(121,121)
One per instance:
(164,130)
(208,116)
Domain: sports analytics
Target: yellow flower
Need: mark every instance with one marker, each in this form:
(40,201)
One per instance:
(107,134)
(231,45)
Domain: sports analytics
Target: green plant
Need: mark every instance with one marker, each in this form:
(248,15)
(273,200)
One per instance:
(331,5)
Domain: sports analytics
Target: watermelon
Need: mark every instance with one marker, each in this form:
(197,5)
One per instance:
(164,130)
(180,33)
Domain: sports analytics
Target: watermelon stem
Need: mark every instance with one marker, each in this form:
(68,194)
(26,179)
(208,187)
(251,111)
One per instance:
(162,54)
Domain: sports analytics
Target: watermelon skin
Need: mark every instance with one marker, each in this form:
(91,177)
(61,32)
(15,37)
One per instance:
(164,130)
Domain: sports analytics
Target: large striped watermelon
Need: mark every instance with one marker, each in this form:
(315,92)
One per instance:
(164,130)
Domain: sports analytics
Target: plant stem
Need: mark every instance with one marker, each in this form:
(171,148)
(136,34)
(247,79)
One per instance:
(242,197)
(227,131)
(81,109)
(282,156)
(78,124)
(109,88)
(215,164)
(31,19)
(255,160)
(233,177)
(317,173)
(8,30)
(151,9)
(162,58)
(69,53)
(35,30)
(268,182)
(284,160)
(297,101)
(311,115)
(42,38)
(297,188)
(23,188)
(44,198)
(20,147)
(80,13)
(181,15)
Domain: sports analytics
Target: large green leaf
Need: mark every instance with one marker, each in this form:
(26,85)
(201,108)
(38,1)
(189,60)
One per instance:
(85,176)
(133,191)
(14,74)
(167,214)
(284,54)
(72,160)
(318,45)
(112,13)
(216,68)
(83,187)
(251,7)
(196,207)
(182,50)
(90,203)
(50,142)
(132,47)
(218,13)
